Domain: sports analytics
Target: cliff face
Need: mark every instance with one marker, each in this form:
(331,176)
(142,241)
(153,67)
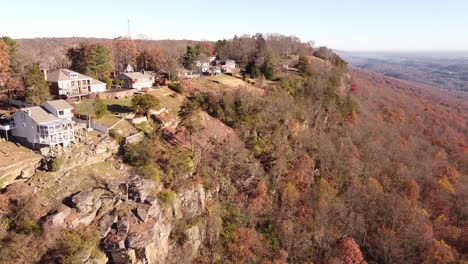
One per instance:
(135,226)
(94,191)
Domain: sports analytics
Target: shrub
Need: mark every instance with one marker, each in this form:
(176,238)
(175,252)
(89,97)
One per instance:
(167,197)
(150,171)
(143,103)
(347,106)
(291,84)
(74,246)
(208,181)
(178,232)
(139,154)
(176,87)
(179,167)
(268,231)
(123,212)
(145,127)
(116,135)
(109,82)
(118,81)
(100,108)
(23,222)
(58,163)
(232,219)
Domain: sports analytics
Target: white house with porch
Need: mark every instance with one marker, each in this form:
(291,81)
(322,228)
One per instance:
(44,126)
(67,83)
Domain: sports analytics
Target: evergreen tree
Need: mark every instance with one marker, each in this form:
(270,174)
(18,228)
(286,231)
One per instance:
(252,69)
(37,89)
(91,59)
(78,58)
(143,60)
(191,55)
(98,65)
(303,66)
(267,68)
(219,45)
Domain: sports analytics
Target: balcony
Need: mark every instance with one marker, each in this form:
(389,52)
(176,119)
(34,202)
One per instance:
(7,126)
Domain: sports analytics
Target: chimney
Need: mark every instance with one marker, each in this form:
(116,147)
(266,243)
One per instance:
(44,71)
(28,112)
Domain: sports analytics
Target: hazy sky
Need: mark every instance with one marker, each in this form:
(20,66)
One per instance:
(340,24)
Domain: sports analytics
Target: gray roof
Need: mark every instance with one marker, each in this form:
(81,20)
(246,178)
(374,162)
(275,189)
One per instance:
(59,104)
(64,75)
(39,115)
(136,75)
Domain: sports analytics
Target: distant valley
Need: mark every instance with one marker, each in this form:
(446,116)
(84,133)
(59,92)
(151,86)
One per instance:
(448,71)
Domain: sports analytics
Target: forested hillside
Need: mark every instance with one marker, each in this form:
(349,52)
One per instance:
(374,172)
(319,164)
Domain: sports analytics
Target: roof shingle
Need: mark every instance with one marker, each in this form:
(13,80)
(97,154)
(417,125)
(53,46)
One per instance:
(39,115)
(59,104)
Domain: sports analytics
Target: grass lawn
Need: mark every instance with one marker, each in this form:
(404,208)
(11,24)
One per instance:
(114,106)
(108,120)
(169,99)
(221,83)
(125,129)
(227,80)
(84,107)
(119,105)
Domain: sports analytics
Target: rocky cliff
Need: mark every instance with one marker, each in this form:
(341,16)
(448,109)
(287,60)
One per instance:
(94,191)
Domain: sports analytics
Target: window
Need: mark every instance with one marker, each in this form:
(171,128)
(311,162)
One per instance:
(60,112)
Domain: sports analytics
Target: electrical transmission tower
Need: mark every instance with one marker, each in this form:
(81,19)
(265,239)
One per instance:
(129,35)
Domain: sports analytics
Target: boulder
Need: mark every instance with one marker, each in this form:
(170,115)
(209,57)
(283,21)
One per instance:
(120,257)
(190,202)
(122,227)
(58,219)
(139,189)
(140,239)
(141,212)
(45,151)
(113,242)
(83,219)
(105,223)
(84,201)
(107,204)
(193,242)
(157,251)
(27,172)
(155,210)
